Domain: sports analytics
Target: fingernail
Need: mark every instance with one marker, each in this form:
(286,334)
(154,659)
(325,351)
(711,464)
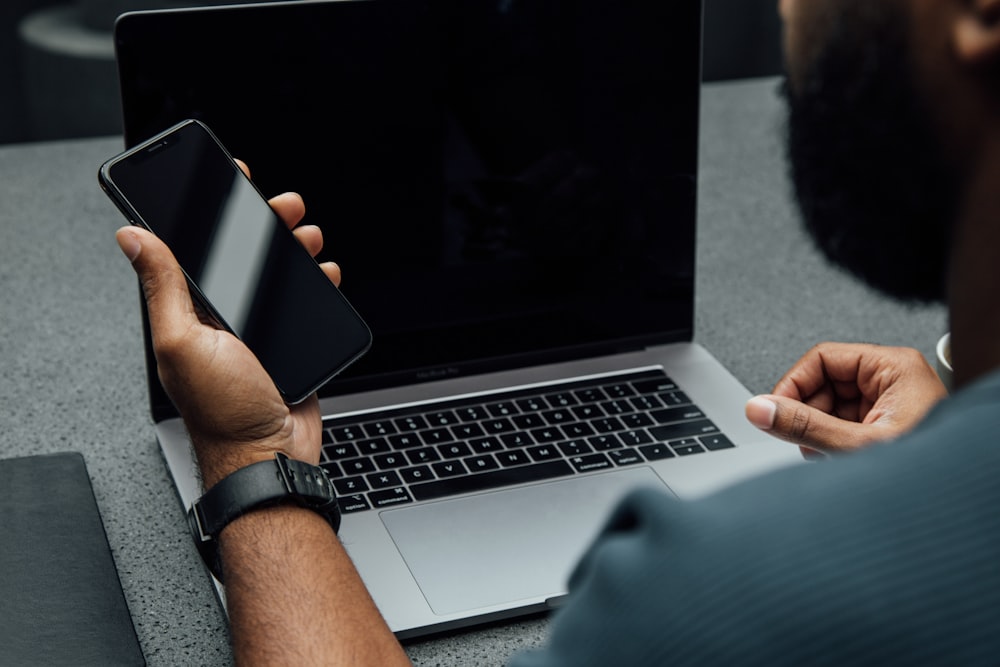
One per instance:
(129,243)
(760,411)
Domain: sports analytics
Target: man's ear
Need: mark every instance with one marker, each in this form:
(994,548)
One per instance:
(976,32)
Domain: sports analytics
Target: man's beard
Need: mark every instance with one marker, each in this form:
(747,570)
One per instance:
(870,177)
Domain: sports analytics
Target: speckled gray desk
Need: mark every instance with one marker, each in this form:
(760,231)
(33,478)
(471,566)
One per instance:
(71,360)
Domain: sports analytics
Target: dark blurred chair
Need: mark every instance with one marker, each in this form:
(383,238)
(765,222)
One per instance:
(58,80)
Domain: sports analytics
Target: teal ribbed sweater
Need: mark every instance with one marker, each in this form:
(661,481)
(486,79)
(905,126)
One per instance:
(888,556)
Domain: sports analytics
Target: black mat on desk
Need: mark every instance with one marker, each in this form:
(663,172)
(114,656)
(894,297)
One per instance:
(62,602)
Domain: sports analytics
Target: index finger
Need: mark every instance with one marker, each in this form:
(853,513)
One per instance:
(827,368)
(289,207)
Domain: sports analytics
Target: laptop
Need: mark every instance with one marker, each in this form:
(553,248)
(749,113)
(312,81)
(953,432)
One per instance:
(510,190)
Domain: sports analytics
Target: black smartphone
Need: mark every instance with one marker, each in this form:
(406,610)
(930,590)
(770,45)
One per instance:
(243,264)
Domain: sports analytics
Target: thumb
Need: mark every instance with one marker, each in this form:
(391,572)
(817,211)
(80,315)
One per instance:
(805,425)
(164,286)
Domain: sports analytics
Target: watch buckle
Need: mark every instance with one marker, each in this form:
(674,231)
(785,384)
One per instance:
(194,514)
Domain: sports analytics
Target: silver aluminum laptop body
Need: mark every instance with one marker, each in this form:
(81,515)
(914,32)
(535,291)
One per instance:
(510,189)
(450,563)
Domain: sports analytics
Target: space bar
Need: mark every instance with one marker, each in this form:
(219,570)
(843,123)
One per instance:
(490,480)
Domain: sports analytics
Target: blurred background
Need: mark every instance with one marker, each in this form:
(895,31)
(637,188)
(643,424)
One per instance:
(58,78)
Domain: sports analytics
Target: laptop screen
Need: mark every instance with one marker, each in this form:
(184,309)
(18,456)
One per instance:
(501,181)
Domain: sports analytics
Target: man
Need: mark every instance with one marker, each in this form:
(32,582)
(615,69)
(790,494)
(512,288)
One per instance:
(889,555)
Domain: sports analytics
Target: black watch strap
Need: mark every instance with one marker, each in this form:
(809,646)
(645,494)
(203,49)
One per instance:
(258,485)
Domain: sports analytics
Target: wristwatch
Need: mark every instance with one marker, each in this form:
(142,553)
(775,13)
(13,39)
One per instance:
(262,484)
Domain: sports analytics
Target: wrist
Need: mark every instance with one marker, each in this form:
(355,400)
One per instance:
(218,463)
(255,488)
(217,459)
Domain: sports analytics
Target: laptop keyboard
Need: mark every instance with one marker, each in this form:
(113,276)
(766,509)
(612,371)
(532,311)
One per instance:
(383,459)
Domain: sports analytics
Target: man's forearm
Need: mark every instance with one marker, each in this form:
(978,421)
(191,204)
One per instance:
(294,597)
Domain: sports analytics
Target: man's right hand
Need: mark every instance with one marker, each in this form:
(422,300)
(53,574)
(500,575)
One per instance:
(840,396)
(230,406)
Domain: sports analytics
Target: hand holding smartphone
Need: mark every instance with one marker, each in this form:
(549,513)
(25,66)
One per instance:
(244,266)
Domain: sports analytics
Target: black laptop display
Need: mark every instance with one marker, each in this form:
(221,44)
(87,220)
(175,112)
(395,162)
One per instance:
(500,180)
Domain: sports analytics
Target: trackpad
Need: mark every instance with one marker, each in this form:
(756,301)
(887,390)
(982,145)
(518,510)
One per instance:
(505,546)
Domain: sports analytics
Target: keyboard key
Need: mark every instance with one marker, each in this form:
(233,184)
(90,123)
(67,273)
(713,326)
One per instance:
(481,463)
(327,437)
(687,449)
(472,413)
(376,429)
(574,448)
(383,480)
(624,457)
(491,480)
(544,453)
(590,395)
(716,442)
(635,438)
(454,450)
(673,398)
(577,430)
(607,425)
(338,452)
(332,469)
(498,426)
(636,420)
(557,416)
(449,468)
(646,402)
(561,400)
(516,439)
(486,445)
(353,502)
(513,457)
(682,430)
(549,434)
(423,455)
(619,407)
(532,404)
(436,436)
(525,422)
(670,415)
(389,461)
(502,409)
(621,390)
(358,466)
(412,423)
(466,431)
(373,446)
(405,441)
(655,386)
(349,485)
(591,462)
(416,474)
(389,497)
(588,412)
(347,433)
(656,452)
(442,418)
(603,443)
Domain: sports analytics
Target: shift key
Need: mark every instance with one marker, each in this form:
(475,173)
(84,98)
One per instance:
(683,430)
(683,413)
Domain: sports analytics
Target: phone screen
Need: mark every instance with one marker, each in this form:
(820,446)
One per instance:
(240,258)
